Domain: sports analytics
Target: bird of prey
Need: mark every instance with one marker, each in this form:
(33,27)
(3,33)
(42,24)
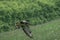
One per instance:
(24,24)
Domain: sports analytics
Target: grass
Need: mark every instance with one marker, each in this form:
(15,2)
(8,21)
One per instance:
(47,31)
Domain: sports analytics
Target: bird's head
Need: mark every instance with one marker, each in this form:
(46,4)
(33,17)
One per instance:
(17,25)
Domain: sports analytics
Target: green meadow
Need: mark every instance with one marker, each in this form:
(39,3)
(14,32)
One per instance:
(46,31)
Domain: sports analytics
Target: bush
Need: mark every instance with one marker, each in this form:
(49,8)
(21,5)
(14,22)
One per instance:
(37,12)
(4,28)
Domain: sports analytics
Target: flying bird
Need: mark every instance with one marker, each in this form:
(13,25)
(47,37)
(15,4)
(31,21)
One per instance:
(24,24)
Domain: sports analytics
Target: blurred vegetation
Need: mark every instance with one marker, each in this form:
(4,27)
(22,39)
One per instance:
(36,11)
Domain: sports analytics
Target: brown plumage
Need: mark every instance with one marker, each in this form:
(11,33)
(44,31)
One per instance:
(25,26)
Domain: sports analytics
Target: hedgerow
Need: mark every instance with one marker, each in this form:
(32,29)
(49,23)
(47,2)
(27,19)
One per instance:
(35,11)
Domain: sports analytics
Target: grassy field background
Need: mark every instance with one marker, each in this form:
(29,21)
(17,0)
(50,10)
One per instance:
(40,14)
(47,31)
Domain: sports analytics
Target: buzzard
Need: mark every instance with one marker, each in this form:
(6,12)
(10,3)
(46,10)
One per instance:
(24,24)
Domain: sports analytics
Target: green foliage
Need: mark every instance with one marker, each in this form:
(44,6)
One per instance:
(4,28)
(37,11)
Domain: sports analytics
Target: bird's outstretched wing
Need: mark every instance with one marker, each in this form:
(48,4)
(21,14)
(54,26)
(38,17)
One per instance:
(25,26)
(27,32)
